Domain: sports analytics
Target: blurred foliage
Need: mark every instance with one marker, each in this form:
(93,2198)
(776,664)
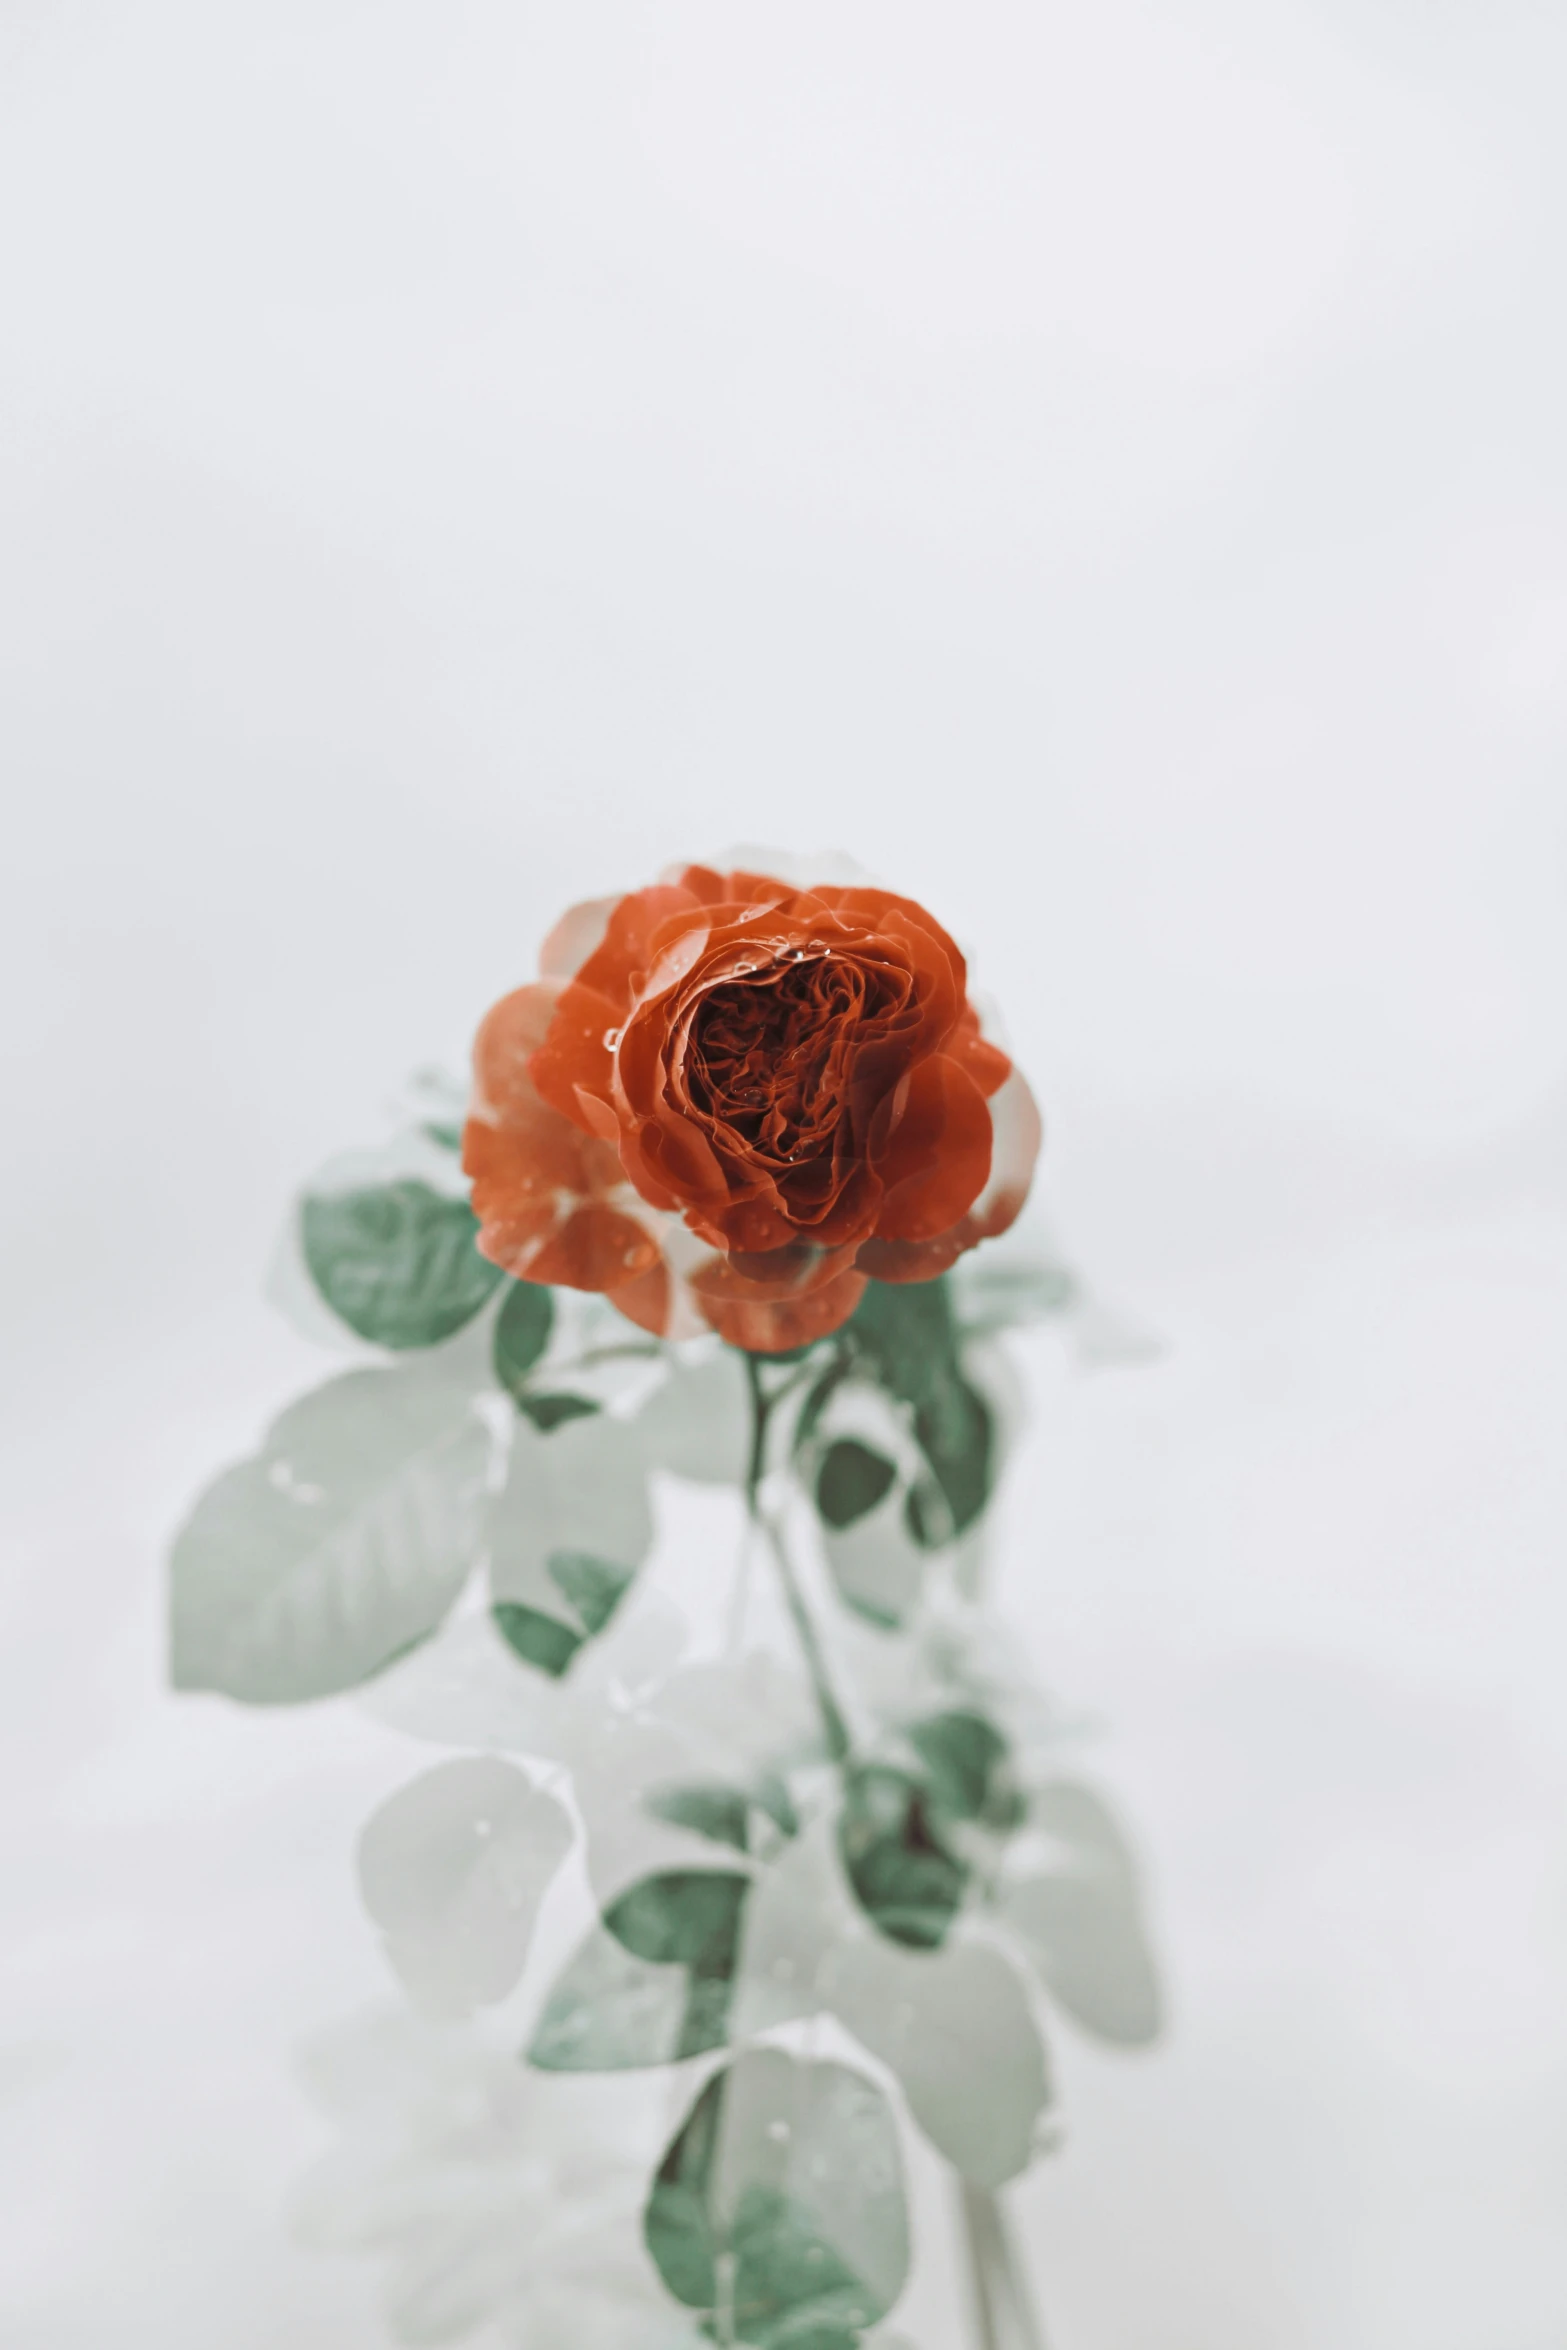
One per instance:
(778,2209)
(921,1873)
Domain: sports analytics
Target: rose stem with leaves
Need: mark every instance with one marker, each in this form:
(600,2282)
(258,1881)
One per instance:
(1003,2312)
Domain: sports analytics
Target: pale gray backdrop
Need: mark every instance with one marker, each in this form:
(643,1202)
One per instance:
(1102,466)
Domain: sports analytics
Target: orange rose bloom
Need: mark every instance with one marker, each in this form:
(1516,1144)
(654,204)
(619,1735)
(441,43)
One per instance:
(728,1101)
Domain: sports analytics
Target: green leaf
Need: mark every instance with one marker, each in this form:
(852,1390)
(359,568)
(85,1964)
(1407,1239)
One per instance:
(609,2012)
(396,1261)
(820,1395)
(905,1336)
(967,1769)
(906,1878)
(344,1543)
(553,1411)
(851,1481)
(720,1813)
(728,1815)
(681,1932)
(538,1639)
(567,1535)
(1081,1921)
(778,2210)
(957,1436)
(594,1587)
(522,1332)
(772,1796)
(453,1868)
(685,1917)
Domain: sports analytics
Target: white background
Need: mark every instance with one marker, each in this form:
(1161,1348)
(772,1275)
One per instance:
(1103,467)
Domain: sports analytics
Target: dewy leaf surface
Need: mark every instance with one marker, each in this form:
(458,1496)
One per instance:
(778,2210)
(396,1261)
(681,1929)
(453,1868)
(344,1543)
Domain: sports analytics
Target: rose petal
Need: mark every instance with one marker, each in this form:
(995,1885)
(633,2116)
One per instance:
(769,1276)
(578,934)
(985,1062)
(939,1157)
(764,1326)
(578,1050)
(1018,1134)
(647,1299)
(509,1035)
(596,1248)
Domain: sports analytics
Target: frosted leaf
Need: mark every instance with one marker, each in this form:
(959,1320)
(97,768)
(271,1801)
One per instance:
(1074,1904)
(611,1779)
(610,2011)
(653,1984)
(746,1714)
(957,2029)
(798,1915)
(312,1566)
(646,1780)
(567,1535)
(876,1563)
(636,1661)
(453,1868)
(467,1689)
(697,1423)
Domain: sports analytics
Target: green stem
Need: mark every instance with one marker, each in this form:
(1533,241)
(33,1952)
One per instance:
(839,1744)
(1004,2314)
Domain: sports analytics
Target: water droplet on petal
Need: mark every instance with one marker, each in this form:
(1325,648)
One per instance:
(612,1037)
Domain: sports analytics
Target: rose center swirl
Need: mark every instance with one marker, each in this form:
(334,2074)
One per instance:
(771,1053)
